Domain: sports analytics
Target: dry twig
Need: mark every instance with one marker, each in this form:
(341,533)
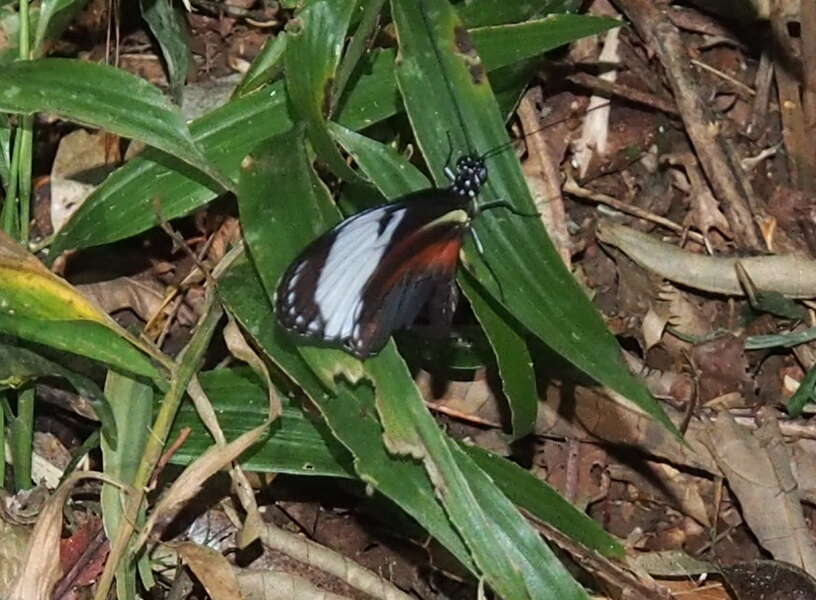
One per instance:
(719,163)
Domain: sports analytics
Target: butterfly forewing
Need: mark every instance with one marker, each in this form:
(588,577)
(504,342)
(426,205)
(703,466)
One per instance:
(372,273)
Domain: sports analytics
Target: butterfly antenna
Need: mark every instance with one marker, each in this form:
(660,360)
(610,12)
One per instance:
(502,147)
(448,171)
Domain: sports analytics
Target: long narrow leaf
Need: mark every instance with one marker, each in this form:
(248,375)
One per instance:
(105,97)
(312,57)
(444,85)
(125,204)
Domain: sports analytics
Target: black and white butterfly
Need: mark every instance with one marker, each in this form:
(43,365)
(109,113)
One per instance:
(372,273)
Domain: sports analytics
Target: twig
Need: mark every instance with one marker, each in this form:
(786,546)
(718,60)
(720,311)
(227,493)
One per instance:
(600,566)
(725,175)
(168,454)
(326,559)
(462,416)
(610,88)
(762,84)
(572,188)
(740,87)
(808,17)
(799,146)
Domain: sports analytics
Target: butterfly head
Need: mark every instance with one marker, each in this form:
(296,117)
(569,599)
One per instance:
(470,175)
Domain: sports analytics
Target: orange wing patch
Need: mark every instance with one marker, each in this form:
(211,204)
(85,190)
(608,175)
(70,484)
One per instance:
(437,258)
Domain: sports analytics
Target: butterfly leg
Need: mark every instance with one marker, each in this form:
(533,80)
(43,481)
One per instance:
(480,249)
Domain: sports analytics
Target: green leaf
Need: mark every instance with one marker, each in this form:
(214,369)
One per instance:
(395,176)
(803,394)
(498,537)
(37,305)
(508,552)
(479,13)
(504,45)
(101,96)
(785,340)
(132,407)
(168,25)
(443,84)
(545,503)
(512,357)
(85,338)
(20,365)
(316,38)
(5,150)
(300,445)
(350,417)
(124,204)
(297,444)
(55,16)
(265,67)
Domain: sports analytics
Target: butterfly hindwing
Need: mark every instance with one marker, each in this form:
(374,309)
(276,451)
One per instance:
(373,272)
(417,269)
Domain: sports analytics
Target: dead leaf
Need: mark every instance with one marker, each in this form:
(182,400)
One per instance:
(193,477)
(652,327)
(240,349)
(82,160)
(722,367)
(141,295)
(41,568)
(656,481)
(757,468)
(257,584)
(13,541)
(789,275)
(213,570)
(686,317)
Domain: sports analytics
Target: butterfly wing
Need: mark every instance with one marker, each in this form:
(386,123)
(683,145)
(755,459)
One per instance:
(372,273)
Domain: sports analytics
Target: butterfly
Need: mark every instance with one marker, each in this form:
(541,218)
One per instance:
(373,273)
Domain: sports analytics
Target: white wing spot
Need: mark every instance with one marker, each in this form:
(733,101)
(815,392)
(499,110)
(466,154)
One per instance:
(352,260)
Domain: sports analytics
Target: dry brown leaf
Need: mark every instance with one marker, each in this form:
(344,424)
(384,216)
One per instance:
(312,553)
(619,422)
(757,467)
(804,468)
(652,327)
(143,296)
(257,584)
(474,400)
(789,275)
(82,159)
(41,567)
(193,477)
(682,314)
(67,196)
(664,482)
(240,349)
(13,541)
(213,570)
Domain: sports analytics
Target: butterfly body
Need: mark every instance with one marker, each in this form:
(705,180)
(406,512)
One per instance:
(372,273)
